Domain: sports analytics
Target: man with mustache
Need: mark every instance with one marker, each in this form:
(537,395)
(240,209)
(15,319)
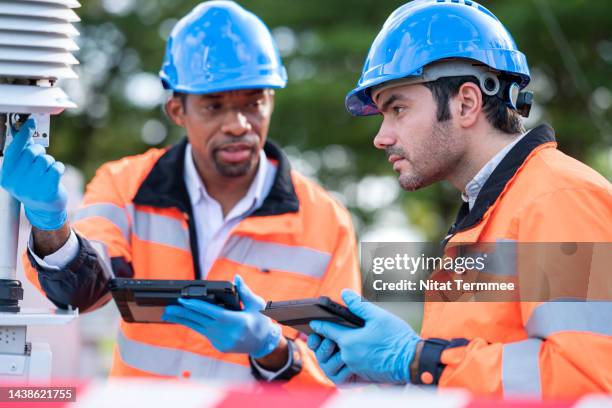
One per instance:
(443,75)
(223,204)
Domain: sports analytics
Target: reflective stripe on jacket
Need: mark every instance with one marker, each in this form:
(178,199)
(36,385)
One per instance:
(537,194)
(135,222)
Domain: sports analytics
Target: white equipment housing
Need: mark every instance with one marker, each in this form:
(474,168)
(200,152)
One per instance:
(36,45)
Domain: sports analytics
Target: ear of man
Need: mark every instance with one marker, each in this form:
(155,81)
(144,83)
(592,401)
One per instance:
(469,105)
(175,109)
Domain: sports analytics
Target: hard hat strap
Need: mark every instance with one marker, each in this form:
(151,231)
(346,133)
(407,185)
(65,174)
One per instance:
(488,79)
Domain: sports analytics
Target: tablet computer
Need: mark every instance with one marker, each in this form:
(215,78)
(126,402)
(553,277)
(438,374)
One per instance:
(143,301)
(299,313)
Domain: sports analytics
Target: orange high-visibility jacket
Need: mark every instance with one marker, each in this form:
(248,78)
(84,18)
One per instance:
(135,222)
(537,194)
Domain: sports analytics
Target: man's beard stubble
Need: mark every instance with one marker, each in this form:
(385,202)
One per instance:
(236,169)
(436,159)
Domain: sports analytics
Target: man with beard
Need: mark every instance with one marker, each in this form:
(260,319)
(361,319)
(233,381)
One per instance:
(223,204)
(444,77)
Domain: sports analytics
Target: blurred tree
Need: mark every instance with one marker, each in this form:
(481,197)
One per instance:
(323,44)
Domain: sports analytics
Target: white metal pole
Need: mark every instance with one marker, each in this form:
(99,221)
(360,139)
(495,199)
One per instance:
(9,220)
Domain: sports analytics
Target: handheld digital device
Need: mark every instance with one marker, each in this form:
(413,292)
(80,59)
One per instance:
(299,313)
(143,301)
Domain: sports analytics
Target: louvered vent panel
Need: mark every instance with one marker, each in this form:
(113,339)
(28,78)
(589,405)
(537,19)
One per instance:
(36,46)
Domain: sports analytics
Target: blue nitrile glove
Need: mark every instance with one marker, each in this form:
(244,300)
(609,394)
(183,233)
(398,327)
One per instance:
(244,331)
(381,351)
(33,177)
(330,359)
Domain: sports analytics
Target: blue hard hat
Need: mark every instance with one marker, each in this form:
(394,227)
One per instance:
(220,46)
(423,31)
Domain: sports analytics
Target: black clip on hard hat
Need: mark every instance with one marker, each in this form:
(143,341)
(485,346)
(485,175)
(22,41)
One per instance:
(523,103)
(517,100)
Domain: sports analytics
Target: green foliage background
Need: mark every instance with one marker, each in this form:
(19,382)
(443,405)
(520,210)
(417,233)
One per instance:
(570,54)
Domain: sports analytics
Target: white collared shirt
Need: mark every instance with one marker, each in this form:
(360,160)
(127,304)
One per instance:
(212,229)
(473,187)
